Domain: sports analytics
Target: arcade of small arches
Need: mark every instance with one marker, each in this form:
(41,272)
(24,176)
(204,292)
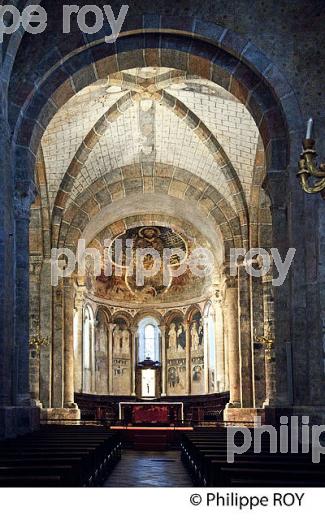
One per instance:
(182,351)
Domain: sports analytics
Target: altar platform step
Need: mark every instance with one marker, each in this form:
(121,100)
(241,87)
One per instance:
(151,441)
(151,438)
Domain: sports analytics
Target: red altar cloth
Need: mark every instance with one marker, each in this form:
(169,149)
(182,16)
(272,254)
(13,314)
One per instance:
(150,414)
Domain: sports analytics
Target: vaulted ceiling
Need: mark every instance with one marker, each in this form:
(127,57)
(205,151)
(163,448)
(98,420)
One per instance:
(146,141)
(153,129)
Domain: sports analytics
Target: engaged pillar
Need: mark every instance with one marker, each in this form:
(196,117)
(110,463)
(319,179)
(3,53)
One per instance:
(270,386)
(231,322)
(134,332)
(246,339)
(163,360)
(219,345)
(68,346)
(111,328)
(24,196)
(188,359)
(206,354)
(78,338)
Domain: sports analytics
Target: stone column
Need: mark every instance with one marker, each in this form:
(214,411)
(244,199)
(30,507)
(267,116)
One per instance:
(226,348)
(79,302)
(7,279)
(46,332)
(270,387)
(134,332)
(268,332)
(34,372)
(206,353)
(188,359)
(219,344)
(246,339)
(69,293)
(24,196)
(57,347)
(93,333)
(231,322)
(259,317)
(111,328)
(35,329)
(163,361)
(276,185)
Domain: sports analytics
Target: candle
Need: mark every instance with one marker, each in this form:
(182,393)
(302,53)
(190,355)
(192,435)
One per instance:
(309,128)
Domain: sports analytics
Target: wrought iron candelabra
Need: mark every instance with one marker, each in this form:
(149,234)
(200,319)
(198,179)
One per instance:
(311,177)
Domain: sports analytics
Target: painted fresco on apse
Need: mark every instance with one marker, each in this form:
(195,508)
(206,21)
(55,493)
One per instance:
(101,355)
(197,353)
(163,287)
(121,358)
(176,357)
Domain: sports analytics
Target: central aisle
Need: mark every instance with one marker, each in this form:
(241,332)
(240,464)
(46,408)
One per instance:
(149,469)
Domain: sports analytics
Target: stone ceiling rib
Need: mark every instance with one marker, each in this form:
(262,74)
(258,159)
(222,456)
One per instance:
(167,181)
(184,113)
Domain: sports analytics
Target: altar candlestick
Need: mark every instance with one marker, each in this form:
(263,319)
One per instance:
(309,128)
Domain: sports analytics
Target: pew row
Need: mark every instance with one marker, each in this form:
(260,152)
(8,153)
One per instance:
(204,453)
(59,456)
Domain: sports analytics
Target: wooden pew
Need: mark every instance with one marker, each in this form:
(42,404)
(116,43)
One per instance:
(205,455)
(59,456)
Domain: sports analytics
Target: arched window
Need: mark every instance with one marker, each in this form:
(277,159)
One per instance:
(148,340)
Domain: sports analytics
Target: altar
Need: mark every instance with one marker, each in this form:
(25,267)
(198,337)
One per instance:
(151,413)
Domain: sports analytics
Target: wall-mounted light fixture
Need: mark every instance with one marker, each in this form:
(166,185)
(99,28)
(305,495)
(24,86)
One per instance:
(311,177)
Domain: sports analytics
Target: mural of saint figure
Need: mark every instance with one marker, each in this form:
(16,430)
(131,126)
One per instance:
(180,332)
(173,378)
(201,332)
(195,337)
(125,341)
(102,344)
(117,335)
(197,374)
(172,337)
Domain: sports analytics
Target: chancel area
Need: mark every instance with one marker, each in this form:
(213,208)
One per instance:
(139,314)
(162,243)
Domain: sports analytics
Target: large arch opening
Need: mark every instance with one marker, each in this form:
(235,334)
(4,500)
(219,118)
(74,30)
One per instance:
(212,182)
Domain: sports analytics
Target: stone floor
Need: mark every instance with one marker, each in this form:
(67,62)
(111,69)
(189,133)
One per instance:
(149,469)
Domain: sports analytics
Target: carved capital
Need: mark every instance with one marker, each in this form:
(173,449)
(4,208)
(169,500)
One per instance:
(24,196)
(79,299)
(276,186)
(230,281)
(35,265)
(217,298)
(134,331)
